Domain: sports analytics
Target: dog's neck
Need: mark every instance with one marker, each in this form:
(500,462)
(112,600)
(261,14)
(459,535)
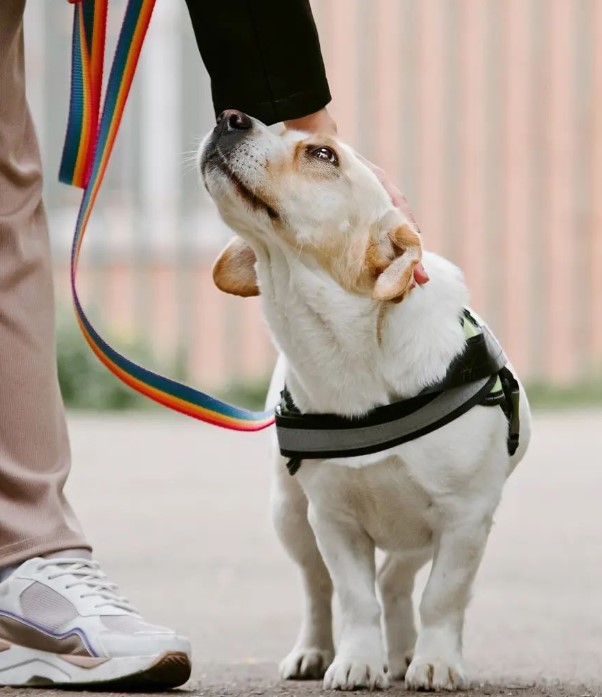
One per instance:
(348,353)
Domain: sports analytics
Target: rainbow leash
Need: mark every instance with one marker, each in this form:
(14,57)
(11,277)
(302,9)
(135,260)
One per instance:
(88,145)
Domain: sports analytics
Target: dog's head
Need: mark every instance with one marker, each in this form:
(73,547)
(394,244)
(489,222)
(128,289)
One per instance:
(312,193)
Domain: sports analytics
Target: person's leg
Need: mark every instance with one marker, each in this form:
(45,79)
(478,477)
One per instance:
(62,621)
(35,518)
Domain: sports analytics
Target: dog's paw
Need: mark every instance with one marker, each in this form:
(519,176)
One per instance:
(346,674)
(398,665)
(435,674)
(305,664)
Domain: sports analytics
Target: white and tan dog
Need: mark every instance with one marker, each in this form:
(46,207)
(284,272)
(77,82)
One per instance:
(331,257)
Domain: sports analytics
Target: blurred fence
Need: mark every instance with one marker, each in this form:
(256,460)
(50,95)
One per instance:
(487,113)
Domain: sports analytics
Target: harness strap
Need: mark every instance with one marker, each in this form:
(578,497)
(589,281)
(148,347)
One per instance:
(477,376)
(482,356)
(511,407)
(88,144)
(307,436)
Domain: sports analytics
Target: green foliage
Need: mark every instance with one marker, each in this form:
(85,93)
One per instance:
(249,394)
(84,380)
(87,384)
(577,396)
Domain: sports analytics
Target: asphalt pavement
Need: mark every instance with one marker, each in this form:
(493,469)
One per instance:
(178,514)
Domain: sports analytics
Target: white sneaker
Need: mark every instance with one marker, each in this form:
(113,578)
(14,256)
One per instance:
(63,623)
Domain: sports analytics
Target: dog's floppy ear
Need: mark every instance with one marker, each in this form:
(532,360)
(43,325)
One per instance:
(393,252)
(234,270)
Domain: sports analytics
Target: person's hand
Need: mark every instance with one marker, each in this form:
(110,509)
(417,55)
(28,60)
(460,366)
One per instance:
(318,122)
(401,202)
(322,122)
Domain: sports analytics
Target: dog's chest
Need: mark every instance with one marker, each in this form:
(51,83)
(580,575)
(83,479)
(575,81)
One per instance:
(393,510)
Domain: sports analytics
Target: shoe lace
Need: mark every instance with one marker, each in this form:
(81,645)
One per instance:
(90,576)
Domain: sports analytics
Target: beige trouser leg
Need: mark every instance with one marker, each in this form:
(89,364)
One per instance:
(35,518)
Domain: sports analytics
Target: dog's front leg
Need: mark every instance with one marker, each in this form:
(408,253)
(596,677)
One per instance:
(396,582)
(437,662)
(314,649)
(349,555)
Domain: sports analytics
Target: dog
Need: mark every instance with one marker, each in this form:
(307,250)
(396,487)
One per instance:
(334,264)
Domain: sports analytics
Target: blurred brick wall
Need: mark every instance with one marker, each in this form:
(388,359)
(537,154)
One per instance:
(487,113)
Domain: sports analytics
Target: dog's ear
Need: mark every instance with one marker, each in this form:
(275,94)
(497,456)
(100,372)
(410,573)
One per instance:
(392,254)
(234,270)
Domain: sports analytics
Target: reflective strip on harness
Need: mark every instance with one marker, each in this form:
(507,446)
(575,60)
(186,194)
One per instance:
(302,437)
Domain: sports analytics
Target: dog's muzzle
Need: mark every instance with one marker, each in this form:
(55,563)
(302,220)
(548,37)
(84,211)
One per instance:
(232,127)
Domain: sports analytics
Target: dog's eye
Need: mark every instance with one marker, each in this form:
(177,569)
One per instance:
(325,153)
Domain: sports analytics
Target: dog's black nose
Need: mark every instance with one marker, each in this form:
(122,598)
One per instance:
(234,120)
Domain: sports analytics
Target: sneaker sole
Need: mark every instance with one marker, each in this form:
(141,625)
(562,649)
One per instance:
(20,666)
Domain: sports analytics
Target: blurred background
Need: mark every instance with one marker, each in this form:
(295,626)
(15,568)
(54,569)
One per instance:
(488,115)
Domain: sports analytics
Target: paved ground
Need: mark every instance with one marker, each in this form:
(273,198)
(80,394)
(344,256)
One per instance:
(178,513)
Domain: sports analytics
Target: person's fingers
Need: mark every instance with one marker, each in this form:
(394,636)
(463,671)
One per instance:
(397,198)
(404,206)
(399,201)
(318,122)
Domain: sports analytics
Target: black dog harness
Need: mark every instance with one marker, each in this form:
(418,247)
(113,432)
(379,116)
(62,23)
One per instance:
(477,376)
